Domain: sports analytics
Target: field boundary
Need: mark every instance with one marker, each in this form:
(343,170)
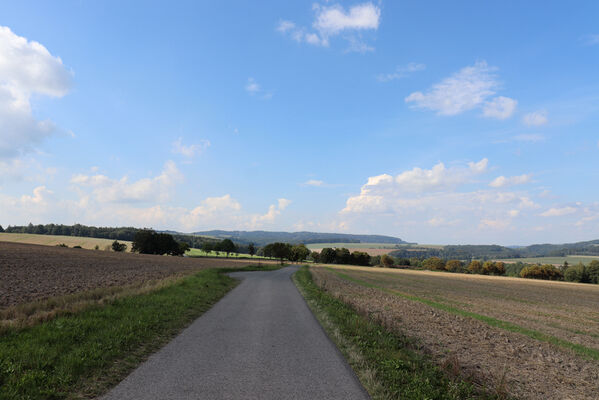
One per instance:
(584,351)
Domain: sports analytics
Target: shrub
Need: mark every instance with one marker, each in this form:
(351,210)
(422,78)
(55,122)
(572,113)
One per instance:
(118,247)
(360,258)
(493,268)
(387,260)
(454,266)
(475,267)
(577,273)
(147,241)
(96,247)
(62,245)
(434,263)
(593,271)
(547,271)
(77,247)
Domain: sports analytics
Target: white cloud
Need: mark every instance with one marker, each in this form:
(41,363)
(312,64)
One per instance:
(590,40)
(500,107)
(469,88)
(285,26)
(533,138)
(536,118)
(502,181)
(401,72)
(191,150)
(558,211)
(252,86)
(314,182)
(334,20)
(107,190)
(26,68)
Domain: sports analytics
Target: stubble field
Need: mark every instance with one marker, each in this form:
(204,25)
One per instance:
(529,339)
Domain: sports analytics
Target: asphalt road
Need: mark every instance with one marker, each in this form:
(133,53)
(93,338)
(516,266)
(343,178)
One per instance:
(260,341)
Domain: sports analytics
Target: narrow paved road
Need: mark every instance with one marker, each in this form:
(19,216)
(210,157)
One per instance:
(259,342)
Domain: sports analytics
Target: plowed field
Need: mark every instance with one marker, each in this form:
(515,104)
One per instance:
(33,272)
(530,339)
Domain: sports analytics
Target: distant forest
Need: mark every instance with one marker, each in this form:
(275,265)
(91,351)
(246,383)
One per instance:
(262,238)
(119,233)
(241,238)
(468,252)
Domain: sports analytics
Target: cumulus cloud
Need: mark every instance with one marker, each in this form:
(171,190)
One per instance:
(536,118)
(26,68)
(452,200)
(469,88)
(558,211)
(502,181)
(107,190)
(334,20)
(500,107)
(401,72)
(190,150)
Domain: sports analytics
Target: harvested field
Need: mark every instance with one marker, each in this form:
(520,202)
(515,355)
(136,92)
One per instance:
(34,272)
(370,251)
(54,240)
(531,339)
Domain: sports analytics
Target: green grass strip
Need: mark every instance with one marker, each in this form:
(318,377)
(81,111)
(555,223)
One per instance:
(83,354)
(400,372)
(508,326)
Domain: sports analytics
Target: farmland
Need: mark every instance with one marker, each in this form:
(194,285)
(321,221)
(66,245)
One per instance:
(33,272)
(535,339)
(55,240)
(572,260)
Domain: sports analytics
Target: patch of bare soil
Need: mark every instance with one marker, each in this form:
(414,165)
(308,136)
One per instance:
(33,272)
(502,361)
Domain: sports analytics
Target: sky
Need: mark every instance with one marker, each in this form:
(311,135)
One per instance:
(438,122)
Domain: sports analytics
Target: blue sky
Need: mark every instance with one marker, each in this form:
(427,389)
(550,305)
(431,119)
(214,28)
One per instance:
(437,122)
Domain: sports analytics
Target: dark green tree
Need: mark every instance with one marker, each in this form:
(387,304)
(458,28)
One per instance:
(1,229)
(251,249)
(278,250)
(328,255)
(299,253)
(118,247)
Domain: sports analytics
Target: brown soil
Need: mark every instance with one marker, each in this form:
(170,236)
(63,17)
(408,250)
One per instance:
(499,360)
(33,272)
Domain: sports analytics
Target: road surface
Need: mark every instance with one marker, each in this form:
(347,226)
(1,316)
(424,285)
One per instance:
(260,341)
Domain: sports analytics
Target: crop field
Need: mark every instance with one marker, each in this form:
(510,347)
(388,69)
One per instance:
(201,253)
(531,339)
(572,260)
(33,272)
(51,240)
(374,249)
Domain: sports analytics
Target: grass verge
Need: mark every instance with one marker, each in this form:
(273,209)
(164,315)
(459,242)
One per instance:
(384,361)
(80,355)
(584,351)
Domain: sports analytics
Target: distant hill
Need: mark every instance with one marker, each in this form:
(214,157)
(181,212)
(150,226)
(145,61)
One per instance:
(261,238)
(462,252)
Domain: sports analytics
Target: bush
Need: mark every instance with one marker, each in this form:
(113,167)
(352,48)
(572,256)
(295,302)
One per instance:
(77,247)
(149,242)
(493,268)
(547,272)
(475,267)
(118,247)
(360,258)
(593,271)
(387,260)
(61,245)
(434,264)
(454,266)
(577,273)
